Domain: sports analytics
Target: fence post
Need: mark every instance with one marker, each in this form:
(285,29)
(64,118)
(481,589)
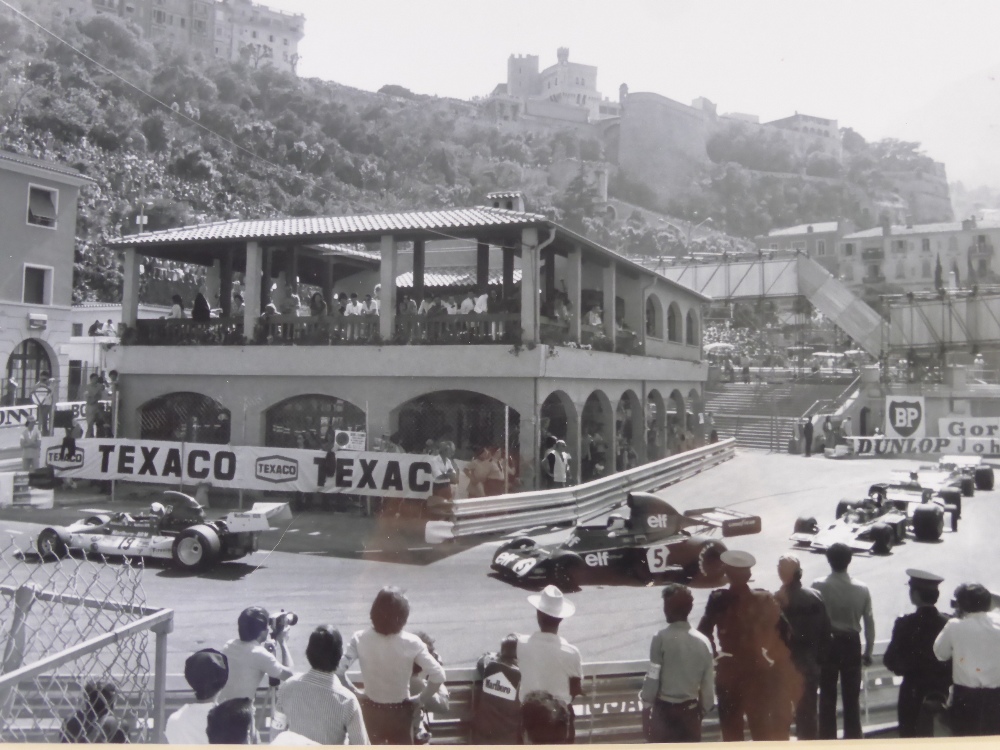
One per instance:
(160,679)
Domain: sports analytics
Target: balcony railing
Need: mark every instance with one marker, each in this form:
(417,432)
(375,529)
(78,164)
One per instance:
(217,332)
(872,253)
(486,328)
(981,251)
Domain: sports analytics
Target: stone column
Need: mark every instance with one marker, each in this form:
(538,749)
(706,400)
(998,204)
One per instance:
(529,285)
(226,284)
(550,276)
(254,292)
(574,274)
(387,276)
(608,283)
(264,283)
(213,275)
(508,274)
(130,288)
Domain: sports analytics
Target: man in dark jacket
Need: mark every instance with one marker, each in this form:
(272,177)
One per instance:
(496,716)
(808,639)
(911,653)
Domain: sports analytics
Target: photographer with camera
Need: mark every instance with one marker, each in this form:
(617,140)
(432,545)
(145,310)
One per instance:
(253,655)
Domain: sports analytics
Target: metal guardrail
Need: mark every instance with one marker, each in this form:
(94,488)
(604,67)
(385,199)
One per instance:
(506,513)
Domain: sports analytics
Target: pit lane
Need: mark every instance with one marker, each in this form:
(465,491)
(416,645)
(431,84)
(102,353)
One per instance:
(327,567)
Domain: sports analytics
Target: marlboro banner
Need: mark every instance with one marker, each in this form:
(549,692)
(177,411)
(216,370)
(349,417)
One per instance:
(242,467)
(868,447)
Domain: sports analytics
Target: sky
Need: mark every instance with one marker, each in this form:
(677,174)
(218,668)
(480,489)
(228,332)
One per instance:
(913,69)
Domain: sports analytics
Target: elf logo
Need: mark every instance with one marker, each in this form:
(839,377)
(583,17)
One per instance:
(596,559)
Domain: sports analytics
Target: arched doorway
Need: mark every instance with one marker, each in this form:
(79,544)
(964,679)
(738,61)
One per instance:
(24,368)
(629,432)
(310,421)
(676,427)
(558,421)
(185,416)
(654,317)
(597,442)
(674,323)
(656,423)
(863,419)
(466,418)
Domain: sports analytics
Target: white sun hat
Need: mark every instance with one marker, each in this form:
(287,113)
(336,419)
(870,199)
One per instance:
(552,603)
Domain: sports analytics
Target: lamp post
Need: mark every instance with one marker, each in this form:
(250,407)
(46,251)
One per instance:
(692,227)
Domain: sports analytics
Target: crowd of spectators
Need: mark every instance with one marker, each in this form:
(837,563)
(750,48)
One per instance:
(765,661)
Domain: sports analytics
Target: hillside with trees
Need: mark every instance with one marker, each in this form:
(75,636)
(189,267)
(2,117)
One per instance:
(191,139)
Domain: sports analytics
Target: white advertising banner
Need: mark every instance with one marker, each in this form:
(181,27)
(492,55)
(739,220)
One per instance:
(868,447)
(905,417)
(973,427)
(243,467)
(16,416)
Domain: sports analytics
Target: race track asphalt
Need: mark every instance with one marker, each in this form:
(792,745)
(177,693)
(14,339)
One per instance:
(327,567)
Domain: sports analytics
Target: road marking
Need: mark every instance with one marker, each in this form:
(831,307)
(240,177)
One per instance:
(315,533)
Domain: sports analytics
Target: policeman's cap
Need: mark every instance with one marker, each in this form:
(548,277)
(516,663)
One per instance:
(921,579)
(737,559)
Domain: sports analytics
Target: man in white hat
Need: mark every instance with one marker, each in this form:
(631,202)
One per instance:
(754,676)
(547,660)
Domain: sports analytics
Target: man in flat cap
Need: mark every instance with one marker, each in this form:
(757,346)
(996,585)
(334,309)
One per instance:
(911,653)
(754,674)
(207,672)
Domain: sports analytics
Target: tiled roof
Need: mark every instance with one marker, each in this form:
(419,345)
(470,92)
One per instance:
(444,220)
(501,195)
(351,251)
(822,227)
(48,166)
(454,276)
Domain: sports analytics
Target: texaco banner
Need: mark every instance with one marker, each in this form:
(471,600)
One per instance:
(242,467)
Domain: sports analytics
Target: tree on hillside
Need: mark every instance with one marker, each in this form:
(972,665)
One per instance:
(578,201)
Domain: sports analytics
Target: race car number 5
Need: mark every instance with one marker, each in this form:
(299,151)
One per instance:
(656,558)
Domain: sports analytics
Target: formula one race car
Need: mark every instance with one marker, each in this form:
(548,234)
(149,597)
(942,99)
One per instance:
(173,530)
(881,520)
(945,482)
(654,541)
(971,468)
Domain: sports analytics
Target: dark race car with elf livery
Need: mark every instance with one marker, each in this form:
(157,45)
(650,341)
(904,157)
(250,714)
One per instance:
(654,542)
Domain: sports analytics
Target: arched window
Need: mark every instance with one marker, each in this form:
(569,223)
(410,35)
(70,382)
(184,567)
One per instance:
(310,421)
(191,417)
(691,329)
(24,366)
(674,323)
(654,317)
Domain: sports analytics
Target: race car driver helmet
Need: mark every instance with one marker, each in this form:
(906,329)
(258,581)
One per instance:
(157,510)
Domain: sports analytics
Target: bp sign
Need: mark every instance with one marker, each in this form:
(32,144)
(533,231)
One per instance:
(905,416)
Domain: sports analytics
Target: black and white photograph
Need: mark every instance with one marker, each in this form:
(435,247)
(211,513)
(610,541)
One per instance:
(540,372)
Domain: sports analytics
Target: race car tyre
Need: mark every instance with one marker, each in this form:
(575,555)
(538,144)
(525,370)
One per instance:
(51,545)
(196,548)
(884,536)
(709,562)
(567,573)
(984,478)
(806,525)
(640,570)
(952,497)
(928,523)
(842,507)
(968,486)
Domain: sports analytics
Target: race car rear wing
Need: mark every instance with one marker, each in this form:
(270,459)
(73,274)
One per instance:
(962,462)
(732,522)
(259,517)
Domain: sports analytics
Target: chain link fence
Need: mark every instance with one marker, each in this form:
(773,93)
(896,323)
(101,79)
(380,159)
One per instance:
(69,629)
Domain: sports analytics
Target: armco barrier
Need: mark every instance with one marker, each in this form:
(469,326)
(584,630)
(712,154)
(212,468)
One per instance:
(505,513)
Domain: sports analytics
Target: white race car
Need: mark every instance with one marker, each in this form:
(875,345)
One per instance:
(174,530)
(970,467)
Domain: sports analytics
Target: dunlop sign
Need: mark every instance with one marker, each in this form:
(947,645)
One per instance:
(242,467)
(868,447)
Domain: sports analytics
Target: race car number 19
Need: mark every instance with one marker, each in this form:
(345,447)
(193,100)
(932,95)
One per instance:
(656,558)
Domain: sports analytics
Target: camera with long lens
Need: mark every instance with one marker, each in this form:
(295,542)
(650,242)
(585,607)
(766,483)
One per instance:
(280,622)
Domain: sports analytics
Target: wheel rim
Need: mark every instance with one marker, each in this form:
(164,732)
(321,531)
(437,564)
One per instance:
(45,542)
(190,551)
